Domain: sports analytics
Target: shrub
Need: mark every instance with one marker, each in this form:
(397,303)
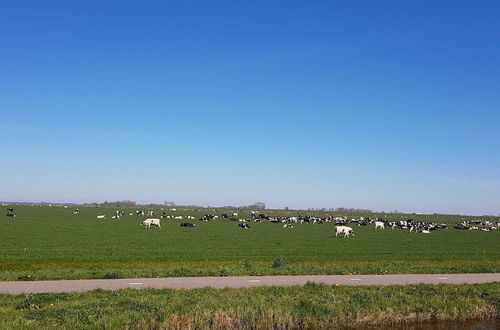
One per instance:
(111,275)
(279,263)
(26,278)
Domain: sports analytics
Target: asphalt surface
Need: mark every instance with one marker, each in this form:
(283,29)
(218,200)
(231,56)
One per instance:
(20,287)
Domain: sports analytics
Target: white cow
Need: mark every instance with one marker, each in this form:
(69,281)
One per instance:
(101,216)
(344,230)
(151,222)
(379,224)
(235,214)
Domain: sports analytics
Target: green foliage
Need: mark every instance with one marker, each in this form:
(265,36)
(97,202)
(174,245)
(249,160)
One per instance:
(26,278)
(279,263)
(223,272)
(111,275)
(310,306)
(28,303)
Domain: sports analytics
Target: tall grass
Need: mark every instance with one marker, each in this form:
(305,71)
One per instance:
(310,306)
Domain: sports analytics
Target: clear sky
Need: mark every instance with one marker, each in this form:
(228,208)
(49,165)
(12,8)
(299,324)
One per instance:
(372,104)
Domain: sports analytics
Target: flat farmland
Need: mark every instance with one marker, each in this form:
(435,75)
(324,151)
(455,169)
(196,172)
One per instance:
(52,243)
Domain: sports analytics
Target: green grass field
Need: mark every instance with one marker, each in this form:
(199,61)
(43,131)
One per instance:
(52,243)
(309,307)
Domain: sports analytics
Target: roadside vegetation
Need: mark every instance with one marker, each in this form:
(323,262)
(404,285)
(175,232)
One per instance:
(52,243)
(310,306)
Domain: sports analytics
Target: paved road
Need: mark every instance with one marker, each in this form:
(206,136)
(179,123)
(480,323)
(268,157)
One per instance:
(18,287)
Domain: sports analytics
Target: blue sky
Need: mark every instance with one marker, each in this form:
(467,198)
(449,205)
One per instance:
(383,105)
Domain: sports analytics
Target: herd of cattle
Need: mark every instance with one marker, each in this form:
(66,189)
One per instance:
(484,225)
(341,223)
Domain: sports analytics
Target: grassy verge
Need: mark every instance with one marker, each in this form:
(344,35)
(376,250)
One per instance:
(52,243)
(311,306)
(85,270)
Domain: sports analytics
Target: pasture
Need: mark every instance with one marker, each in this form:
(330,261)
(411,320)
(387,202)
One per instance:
(45,242)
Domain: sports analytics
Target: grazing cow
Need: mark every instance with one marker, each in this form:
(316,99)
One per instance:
(151,222)
(379,224)
(210,217)
(189,217)
(11,215)
(178,217)
(101,216)
(187,224)
(340,220)
(10,209)
(76,211)
(244,225)
(344,230)
(235,214)
(287,225)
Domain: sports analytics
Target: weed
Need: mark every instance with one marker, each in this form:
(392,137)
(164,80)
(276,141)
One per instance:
(279,263)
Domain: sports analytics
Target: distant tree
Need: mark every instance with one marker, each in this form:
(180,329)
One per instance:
(255,206)
(124,203)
